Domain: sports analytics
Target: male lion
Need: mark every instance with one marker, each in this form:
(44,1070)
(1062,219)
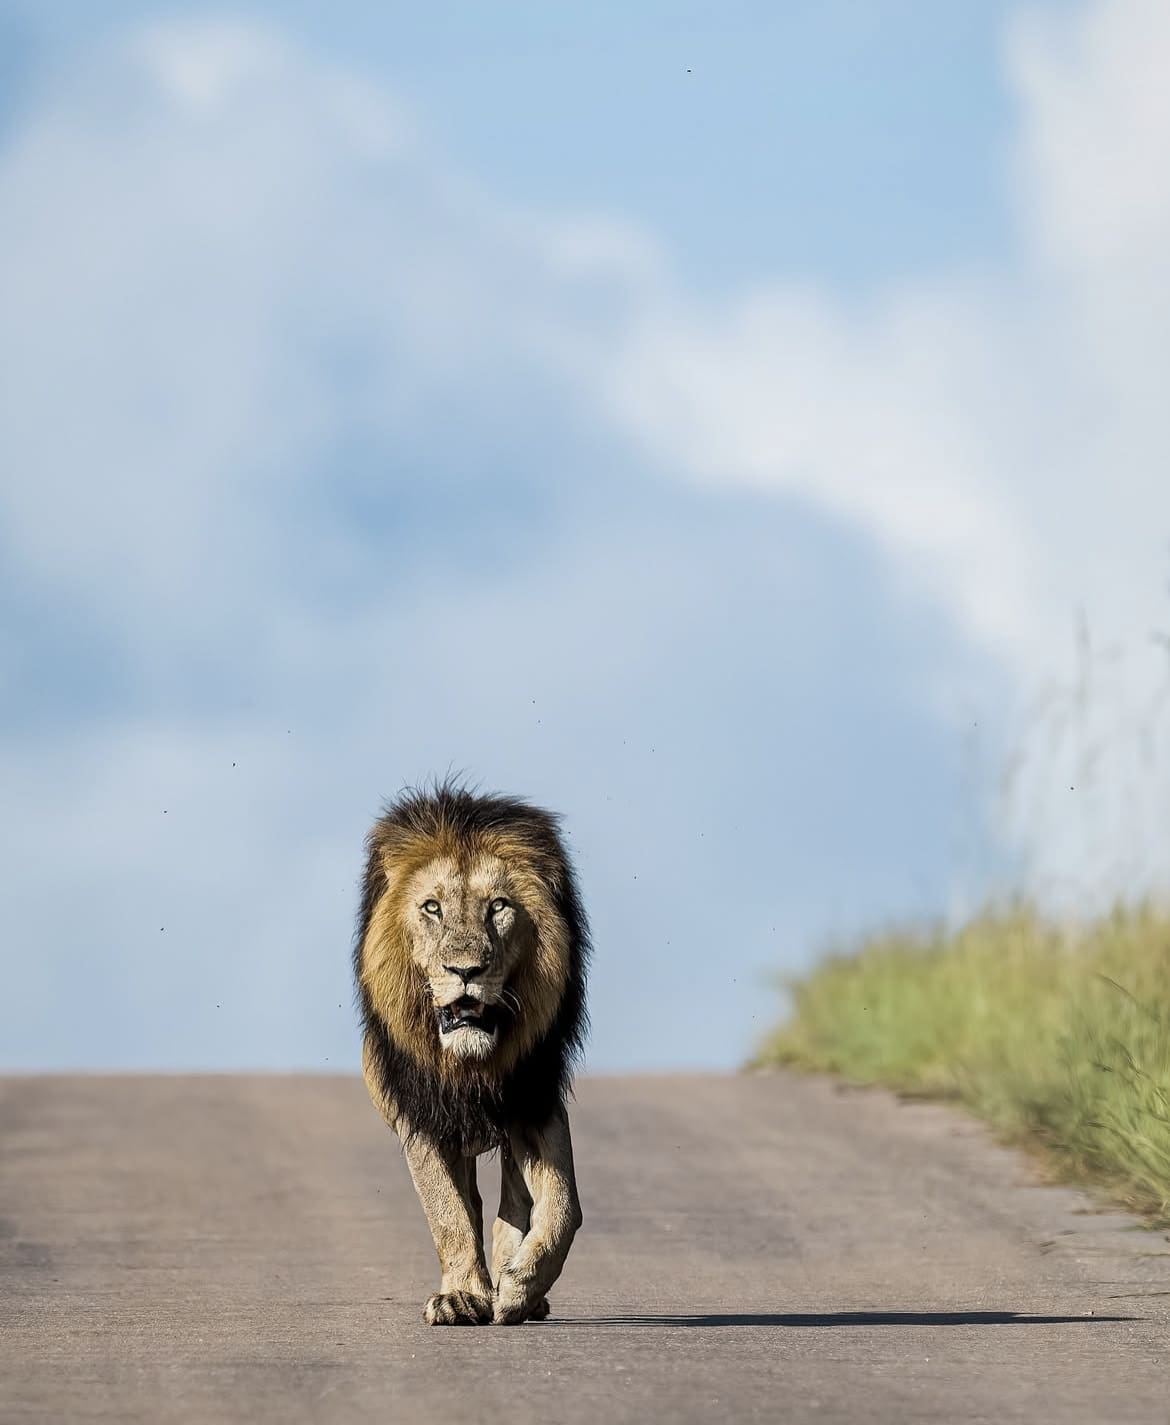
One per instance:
(470,962)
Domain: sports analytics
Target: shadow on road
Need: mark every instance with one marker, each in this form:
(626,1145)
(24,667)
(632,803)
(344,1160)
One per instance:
(849,1318)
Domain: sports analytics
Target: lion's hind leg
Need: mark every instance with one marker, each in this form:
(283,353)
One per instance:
(511,1225)
(544,1161)
(515,1212)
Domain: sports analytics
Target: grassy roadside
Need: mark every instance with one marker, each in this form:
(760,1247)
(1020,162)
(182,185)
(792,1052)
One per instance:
(1057,1036)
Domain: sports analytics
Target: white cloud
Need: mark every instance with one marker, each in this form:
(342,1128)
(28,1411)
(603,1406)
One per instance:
(1003,436)
(1095,133)
(219,259)
(188,879)
(864,417)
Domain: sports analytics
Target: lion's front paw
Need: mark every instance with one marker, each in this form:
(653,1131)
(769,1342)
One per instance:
(457,1308)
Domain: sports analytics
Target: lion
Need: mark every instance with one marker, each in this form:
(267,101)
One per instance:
(470,959)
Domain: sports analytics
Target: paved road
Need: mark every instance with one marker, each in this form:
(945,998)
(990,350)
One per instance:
(210,1249)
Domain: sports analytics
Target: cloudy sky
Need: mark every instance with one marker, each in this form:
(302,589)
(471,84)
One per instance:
(740,427)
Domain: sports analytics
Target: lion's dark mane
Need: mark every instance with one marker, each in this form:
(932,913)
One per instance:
(474,1112)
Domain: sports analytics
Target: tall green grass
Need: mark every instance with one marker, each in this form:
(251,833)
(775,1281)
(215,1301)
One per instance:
(1056,1035)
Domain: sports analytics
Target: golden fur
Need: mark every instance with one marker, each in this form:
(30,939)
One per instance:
(394,980)
(470,963)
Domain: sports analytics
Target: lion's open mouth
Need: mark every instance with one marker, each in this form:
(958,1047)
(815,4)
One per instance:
(467,1013)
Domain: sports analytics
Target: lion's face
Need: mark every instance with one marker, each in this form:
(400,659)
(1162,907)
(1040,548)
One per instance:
(471,940)
(469,934)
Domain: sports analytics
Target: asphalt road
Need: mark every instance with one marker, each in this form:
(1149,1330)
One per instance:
(235,1248)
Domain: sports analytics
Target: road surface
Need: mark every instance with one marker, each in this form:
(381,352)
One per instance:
(759,1247)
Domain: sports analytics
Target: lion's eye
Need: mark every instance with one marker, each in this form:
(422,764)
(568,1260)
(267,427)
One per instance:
(432,907)
(498,905)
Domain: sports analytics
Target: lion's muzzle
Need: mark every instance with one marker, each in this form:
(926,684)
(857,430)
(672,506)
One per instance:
(468,1027)
(468,1013)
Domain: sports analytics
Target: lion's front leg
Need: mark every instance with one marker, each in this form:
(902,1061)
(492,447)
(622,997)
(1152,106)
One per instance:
(445,1183)
(542,1159)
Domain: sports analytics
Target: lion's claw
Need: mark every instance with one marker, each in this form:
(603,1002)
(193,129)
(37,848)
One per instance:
(457,1308)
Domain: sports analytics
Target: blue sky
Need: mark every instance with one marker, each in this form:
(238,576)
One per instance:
(752,137)
(708,420)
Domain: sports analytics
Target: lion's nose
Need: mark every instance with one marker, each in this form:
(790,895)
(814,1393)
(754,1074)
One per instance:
(466,973)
